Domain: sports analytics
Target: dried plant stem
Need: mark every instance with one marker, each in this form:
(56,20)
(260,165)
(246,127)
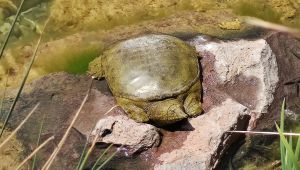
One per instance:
(20,125)
(3,97)
(112,108)
(35,151)
(11,29)
(24,79)
(264,133)
(62,141)
(38,141)
(273,26)
(88,152)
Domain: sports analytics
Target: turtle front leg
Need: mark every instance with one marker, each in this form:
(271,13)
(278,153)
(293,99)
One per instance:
(132,110)
(192,103)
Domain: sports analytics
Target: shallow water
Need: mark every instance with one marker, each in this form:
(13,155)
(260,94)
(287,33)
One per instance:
(113,17)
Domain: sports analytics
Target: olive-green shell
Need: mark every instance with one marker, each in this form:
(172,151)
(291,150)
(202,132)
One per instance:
(150,67)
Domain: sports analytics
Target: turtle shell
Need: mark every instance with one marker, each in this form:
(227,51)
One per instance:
(150,67)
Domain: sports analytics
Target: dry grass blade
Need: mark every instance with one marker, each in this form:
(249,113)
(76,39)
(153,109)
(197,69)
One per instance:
(264,133)
(112,108)
(20,125)
(89,152)
(35,151)
(24,79)
(62,141)
(108,159)
(3,97)
(83,153)
(11,29)
(273,26)
(38,141)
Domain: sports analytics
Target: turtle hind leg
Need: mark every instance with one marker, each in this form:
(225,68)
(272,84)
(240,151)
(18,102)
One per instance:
(166,111)
(133,111)
(192,104)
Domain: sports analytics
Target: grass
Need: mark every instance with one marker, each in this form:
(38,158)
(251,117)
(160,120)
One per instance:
(38,141)
(62,141)
(24,78)
(3,97)
(289,154)
(20,125)
(4,44)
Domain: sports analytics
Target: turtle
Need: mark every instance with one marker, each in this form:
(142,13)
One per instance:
(153,77)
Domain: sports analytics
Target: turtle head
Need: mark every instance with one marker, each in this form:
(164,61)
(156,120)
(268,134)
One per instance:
(96,69)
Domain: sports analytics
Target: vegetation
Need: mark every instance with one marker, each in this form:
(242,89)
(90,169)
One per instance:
(289,148)
(3,127)
(289,152)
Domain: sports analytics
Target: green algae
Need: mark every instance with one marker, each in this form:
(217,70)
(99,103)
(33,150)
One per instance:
(72,61)
(106,22)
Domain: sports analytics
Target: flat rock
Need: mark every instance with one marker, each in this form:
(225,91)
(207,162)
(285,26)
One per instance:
(122,130)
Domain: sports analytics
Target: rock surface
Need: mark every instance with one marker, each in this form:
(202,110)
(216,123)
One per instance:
(241,79)
(254,74)
(122,130)
(246,70)
(204,145)
(60,95)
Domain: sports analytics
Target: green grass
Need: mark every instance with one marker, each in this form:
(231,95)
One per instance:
(289,153)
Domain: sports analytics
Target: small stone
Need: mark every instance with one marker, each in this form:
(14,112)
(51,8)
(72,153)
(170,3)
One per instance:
(121,130)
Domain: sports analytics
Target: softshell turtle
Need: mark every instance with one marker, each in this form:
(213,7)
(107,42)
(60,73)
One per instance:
(153,78)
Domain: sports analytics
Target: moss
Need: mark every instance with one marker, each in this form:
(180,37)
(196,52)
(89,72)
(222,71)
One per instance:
(283,7)
(231,25)
(279,11)
(101,14)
